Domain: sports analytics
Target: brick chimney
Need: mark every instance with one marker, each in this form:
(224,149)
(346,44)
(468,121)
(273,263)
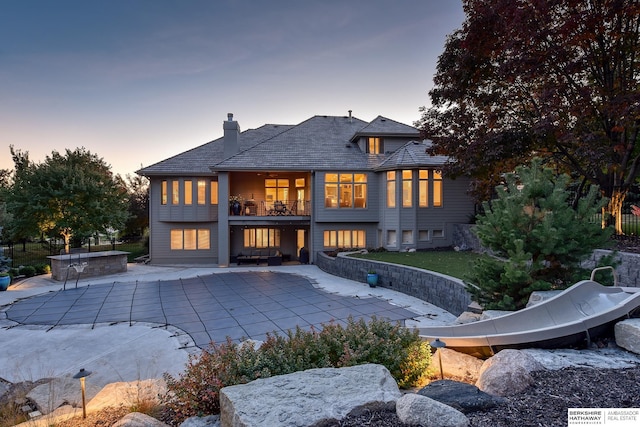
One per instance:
(231,136)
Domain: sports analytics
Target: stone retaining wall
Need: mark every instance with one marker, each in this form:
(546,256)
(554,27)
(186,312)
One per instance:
(441,290)
(628,269)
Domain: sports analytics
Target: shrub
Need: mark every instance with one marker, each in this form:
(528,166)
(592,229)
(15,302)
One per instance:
(27,270)
(196,391)
(539,240)
(42,269)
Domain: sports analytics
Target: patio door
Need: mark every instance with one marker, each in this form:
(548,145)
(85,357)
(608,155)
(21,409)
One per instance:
(301,238)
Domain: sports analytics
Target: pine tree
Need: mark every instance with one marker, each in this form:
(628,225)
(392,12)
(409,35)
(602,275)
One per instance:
(537,240)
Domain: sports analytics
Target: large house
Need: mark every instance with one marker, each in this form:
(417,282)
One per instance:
(292,191)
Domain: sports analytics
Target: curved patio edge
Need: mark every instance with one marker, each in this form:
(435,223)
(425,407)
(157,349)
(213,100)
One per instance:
(444,291)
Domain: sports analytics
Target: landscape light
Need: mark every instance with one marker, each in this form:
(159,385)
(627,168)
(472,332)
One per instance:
(82,375)
(437,344)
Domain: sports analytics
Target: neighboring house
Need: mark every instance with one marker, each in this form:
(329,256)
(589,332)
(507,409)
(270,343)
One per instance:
(327,183)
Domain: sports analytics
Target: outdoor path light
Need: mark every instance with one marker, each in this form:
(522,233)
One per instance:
(82,375)
(437,344)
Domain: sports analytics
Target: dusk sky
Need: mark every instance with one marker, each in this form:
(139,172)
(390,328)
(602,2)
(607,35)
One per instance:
(137,81)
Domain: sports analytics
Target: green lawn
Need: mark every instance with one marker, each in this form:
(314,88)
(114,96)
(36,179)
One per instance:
(456,264)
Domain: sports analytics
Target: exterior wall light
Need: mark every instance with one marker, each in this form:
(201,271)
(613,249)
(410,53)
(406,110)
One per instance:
(82,375)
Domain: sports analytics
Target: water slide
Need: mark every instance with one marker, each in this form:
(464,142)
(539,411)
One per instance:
(573,317)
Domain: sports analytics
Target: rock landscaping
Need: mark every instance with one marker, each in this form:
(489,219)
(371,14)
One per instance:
(366,395)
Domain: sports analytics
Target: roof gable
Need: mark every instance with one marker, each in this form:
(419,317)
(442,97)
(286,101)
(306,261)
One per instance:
(382,126)
(412,154)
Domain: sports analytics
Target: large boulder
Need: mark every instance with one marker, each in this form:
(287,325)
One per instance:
(415,409)
(627,333)
(461,396)
(456,365)
(136,419)
(307,397)
(206,421)
(128,394)
(507,373)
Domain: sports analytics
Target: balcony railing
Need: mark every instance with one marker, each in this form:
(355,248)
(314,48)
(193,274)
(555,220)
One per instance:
(271,209)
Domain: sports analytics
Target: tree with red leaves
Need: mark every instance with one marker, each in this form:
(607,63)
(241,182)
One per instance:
(557,79)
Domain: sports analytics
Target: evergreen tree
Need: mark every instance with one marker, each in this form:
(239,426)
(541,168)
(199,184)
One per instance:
(537,240)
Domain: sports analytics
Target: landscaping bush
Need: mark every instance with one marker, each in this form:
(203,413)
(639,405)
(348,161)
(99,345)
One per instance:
(196,391)
(539,240)
(42,269)
(27,271)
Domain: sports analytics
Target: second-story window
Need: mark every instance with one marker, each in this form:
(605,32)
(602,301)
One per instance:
(375,145)
(164,196)
(214,192)
(423,188)
(276,190)
(391,189)
(175,192)
(345,190)
(437,188)
(202,191)
(188,192)
(407,188)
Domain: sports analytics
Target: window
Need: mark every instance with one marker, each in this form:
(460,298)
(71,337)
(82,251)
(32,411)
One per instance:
(391,189)
(437,189)
(188,192)
(331,190)
(407,236)
(190,239)
(423,235)
(261,237)
(276,190)
(392,238)
(175,192)
(345,190)
(423,188)
(202,191)
(344,239)
(374,145)
(214,192)
(163,193)
(407,188)
(438,233)
(300,187)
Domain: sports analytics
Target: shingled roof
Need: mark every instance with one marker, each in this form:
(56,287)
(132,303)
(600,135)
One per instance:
(198,161)
(319,143)
(382,126)
(412,154)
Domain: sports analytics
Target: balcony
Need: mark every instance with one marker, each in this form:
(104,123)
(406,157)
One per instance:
(263,208)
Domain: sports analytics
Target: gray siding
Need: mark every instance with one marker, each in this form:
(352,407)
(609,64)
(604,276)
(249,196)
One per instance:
(163,218)
(162,245)
(436,223)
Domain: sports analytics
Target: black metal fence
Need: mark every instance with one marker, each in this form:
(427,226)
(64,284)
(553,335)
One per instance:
(35,253)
